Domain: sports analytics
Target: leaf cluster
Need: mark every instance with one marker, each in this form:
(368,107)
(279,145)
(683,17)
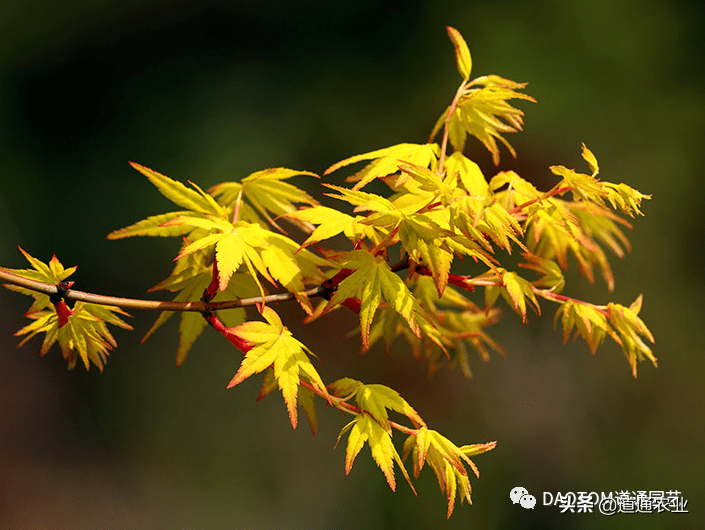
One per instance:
(81,332)
(437,209)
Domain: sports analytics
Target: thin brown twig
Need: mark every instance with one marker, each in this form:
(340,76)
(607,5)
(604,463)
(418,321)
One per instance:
(153,305)
(446,126)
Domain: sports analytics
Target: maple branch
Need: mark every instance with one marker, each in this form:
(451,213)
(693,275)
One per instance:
(153,305)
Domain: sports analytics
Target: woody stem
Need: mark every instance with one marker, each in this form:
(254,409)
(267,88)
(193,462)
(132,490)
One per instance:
(153,305)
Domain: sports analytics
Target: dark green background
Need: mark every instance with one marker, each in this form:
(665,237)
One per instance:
(212,91)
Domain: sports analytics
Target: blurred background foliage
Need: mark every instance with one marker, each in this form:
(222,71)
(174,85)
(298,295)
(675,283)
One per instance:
(213,90)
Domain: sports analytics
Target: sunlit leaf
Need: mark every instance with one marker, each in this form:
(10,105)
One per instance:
(469,174)
(373,282)
(52,273)
(584,187)
(462,53)
(153,226)
(273,345)
(365,430)
(332,222)
(631,329)
(81,332)
(376,399)
(447,460)
(386,161)
(175,191)
(85,336)
(589,321)
(625,198)
(266,192)
(515,290)
(483,112)
(591,160)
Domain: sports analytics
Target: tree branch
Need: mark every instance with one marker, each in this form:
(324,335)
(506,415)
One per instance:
(153,305)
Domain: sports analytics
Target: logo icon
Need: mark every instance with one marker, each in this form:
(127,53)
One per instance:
(521,495)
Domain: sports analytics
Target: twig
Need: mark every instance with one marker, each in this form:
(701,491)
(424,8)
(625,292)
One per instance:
(153,305)
(446,126)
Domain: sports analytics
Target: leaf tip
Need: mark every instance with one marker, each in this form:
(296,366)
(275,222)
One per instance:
(462,53)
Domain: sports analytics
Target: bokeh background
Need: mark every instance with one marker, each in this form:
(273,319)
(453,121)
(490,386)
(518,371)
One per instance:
(213,90)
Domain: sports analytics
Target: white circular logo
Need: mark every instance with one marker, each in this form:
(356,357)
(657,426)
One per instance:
(528,502)
(521,496)
(517,493)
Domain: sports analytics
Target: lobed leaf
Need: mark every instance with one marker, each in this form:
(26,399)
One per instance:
(469,174)
(386,161)
(268,194)
(364,429)
(429,181)
(52,273)
(84,335)
(376,399)
(373,282)
(631,329)
(155,226)
(515,290)
(447,460)
(576,228)
(81,332)
(518,190)
(273,256)
(625,198)
(176,192)
(273,345)
(589,321)
(330,223)
(584,187)
(483,111)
